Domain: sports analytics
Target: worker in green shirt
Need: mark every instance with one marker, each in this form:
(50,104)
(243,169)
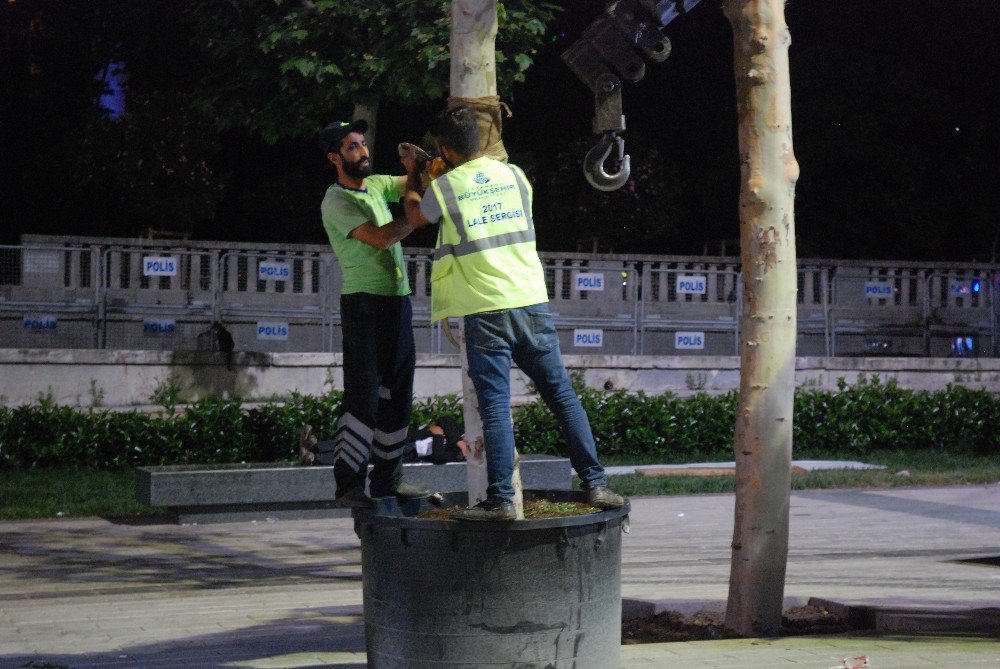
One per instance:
(376,320)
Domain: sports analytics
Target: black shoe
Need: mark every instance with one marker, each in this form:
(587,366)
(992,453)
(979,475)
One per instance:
(603,498)
(494,510)
(407,492)
(353,497)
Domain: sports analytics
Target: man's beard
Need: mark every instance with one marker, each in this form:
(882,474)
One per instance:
(359,169)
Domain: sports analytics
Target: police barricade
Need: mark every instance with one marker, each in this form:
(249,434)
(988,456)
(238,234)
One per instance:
(690,309)
(428,337)
(877,311)
(595,305)
(813,311)
(960,315)
(157,299)
(49,296)
(278,301)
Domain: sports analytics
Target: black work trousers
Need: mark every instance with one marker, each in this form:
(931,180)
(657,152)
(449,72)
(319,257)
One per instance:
(379,360)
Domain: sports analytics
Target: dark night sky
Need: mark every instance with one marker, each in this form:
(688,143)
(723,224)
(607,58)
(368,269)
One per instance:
(867,56)
(893,105)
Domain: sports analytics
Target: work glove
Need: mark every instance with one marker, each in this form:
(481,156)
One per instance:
(431,167)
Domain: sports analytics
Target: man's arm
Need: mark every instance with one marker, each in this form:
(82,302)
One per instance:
(381,237)
(385,236)
(412,199)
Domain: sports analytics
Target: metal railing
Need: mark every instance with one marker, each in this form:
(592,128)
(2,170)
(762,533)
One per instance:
(691,308)
(49,297)
(156,298)
(595,305)
(283,301)
(144,295)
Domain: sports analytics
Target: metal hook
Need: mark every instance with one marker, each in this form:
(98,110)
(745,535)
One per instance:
(593,164)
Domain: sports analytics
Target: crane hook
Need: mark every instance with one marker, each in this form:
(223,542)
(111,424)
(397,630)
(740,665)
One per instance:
(593,163)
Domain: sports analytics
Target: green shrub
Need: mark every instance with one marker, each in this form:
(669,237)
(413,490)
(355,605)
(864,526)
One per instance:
(873,415)
(865,418)
(274,428)
(639,425)
(434,409)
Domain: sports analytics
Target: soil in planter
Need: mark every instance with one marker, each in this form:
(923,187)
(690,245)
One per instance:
(705,626)
(536,508)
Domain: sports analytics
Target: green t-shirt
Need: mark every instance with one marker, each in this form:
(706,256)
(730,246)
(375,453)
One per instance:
(365,268)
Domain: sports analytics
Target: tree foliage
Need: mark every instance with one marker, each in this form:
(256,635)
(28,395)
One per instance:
(281,68)
(148,169)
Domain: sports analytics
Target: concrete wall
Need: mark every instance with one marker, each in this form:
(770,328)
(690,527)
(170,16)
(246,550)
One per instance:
(102,378)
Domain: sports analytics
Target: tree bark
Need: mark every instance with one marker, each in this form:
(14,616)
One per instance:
(473,48)
(369,112)
(763,438)
(474,75)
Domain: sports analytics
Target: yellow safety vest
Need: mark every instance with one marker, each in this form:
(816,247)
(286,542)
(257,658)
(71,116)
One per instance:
(485,259)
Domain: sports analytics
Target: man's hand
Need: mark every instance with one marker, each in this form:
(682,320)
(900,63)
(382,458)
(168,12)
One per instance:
(411,206)
(436,167)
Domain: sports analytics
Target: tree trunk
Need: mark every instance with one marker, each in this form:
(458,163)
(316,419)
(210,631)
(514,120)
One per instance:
(763,439)
(369,112)
(473,48)
(474,75)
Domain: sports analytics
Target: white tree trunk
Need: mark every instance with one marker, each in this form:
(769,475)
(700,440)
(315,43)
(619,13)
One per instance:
(473,48)
(369,112)
(763,440)
(475,472)
(474,75)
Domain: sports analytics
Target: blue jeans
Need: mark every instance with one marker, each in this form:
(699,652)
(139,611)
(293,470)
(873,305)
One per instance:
(526,336)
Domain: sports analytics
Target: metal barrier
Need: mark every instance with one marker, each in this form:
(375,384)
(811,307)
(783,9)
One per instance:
(274,302)
(156,298)
(690,309)
(595,305)
(913,312)
(877,311)
(428,337)
(49,297)
(813,311)
(145,295)
(960,313)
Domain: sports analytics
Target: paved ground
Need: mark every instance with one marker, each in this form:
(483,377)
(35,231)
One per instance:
(808,465)
(90,593)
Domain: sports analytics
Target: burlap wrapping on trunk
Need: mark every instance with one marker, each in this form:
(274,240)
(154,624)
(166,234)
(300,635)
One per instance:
(488,112)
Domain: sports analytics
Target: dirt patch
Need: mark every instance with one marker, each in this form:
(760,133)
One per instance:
(533,510)
(672,626)
(543,508)
(706,626)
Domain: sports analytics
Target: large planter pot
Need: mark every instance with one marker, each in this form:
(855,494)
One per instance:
(528,593)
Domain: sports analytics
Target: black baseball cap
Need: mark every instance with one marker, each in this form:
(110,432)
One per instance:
(333,134)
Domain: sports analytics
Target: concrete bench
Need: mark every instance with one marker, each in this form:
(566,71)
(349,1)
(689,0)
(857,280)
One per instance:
(243,492)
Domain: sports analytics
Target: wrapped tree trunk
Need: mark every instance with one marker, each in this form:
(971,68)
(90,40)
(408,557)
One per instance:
(474,76)
(369,112)
(763,440)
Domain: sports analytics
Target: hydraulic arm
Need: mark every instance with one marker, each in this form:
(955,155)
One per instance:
(613,48)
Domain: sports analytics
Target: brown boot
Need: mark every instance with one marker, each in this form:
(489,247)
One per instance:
(307,446)
(603,498)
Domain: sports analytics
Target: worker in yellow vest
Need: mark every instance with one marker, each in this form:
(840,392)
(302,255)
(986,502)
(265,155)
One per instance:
(486,270)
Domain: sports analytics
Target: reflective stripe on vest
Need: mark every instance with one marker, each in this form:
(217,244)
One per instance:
(476,245)
(467,246)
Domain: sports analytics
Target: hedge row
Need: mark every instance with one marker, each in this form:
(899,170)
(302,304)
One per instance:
(853,420)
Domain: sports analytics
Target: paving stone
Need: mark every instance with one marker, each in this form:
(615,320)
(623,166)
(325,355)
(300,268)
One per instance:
(89,593)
